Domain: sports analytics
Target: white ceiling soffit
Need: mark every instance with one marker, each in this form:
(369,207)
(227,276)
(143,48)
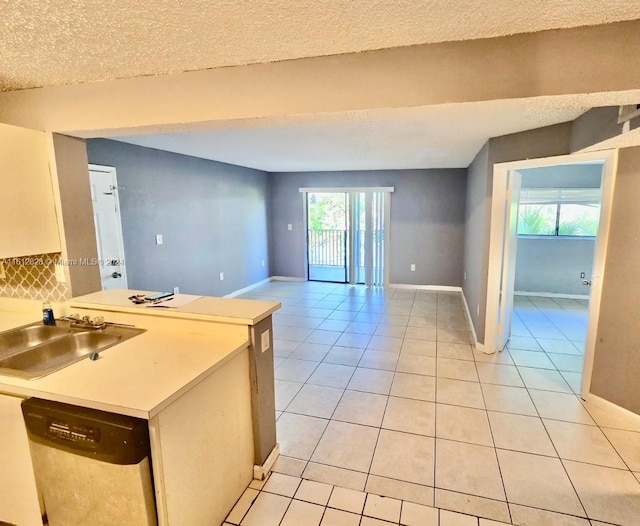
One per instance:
(53,42)
(445,136)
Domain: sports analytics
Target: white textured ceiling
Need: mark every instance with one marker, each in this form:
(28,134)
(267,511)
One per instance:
(446,136)
(53,42)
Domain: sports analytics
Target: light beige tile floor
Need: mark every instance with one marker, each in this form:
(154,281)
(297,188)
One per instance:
(292,501)
(381,391)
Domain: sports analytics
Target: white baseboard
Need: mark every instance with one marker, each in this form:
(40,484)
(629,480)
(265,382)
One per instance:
(239,292)
(614,409)
(247,289)
(261,472)
(442,288)
(477,346)
(469,322)
(552,295)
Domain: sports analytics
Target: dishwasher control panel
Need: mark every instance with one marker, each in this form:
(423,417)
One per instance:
(74,433)
(108,437)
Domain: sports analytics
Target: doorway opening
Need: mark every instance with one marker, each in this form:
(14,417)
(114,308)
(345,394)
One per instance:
(553,321)
(347,237)
(108,225)
(557,229)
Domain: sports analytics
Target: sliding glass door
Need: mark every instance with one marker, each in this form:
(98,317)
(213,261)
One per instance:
(346,235)
(327,236)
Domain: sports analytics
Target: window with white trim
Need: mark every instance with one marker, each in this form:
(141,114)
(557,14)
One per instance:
(569,212)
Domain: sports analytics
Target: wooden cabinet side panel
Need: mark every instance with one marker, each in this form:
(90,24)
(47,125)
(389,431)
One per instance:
(206,447)
(18,494)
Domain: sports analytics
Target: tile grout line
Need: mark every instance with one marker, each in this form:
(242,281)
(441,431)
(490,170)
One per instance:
(558,456)
(495,449)
(328,423)
(480,383)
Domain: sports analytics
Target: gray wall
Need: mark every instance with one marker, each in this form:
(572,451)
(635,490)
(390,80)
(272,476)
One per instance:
(594,126)
(563,176)
(213,218)
(77,212)
(616,368)
(554,264)
(427,221)
(541,142)
(476,240)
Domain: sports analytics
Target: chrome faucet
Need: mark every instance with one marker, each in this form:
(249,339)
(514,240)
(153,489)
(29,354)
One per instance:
(76,322)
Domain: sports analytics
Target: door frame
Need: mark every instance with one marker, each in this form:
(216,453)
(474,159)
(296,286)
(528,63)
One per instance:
(116,196)
(348,218)
(304,191)
(497,283)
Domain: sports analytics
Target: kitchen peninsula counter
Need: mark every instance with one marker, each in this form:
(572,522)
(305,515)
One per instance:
(201,375)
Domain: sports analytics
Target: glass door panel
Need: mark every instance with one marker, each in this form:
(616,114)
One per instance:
(328,236)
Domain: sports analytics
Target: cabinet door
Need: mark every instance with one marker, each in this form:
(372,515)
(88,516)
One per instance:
(28,223)
(18,495)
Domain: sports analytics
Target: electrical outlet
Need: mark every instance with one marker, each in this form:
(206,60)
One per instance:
(582,275)
(60,275)
(221,276)
(289,226)
(176,290)
(265,340)
(159,239)
(413,267)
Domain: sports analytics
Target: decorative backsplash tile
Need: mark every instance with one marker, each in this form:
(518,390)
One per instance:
(33,278)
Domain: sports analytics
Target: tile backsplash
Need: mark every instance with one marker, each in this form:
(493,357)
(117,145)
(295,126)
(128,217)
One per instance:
(33,278)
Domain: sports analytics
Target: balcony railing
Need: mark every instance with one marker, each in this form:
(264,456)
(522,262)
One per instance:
(331,247)
(328,247)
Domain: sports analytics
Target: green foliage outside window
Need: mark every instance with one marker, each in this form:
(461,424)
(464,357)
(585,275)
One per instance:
(327,211)
(559,219)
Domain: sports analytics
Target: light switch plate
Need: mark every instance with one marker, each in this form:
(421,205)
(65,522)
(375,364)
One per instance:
(221,276)
(413,267)
(265,340)
(289,226)
(159,239)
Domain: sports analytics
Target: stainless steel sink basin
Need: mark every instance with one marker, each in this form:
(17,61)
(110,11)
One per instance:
(36,350)
(23,338)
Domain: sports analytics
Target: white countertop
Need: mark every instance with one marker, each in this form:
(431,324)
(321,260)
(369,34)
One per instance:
(224,310)
(147,372)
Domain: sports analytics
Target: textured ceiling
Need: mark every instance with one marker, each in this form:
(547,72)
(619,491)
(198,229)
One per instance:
(446,136)
(53,42)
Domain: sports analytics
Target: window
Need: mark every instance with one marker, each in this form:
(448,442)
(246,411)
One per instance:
(559,212)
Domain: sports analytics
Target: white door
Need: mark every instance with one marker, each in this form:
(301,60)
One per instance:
(106,216)
(509,250)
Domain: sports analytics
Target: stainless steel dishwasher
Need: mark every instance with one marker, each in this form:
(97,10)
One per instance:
(91,467)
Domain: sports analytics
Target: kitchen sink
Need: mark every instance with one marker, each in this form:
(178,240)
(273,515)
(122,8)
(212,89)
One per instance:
(36,350)
(24,338)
